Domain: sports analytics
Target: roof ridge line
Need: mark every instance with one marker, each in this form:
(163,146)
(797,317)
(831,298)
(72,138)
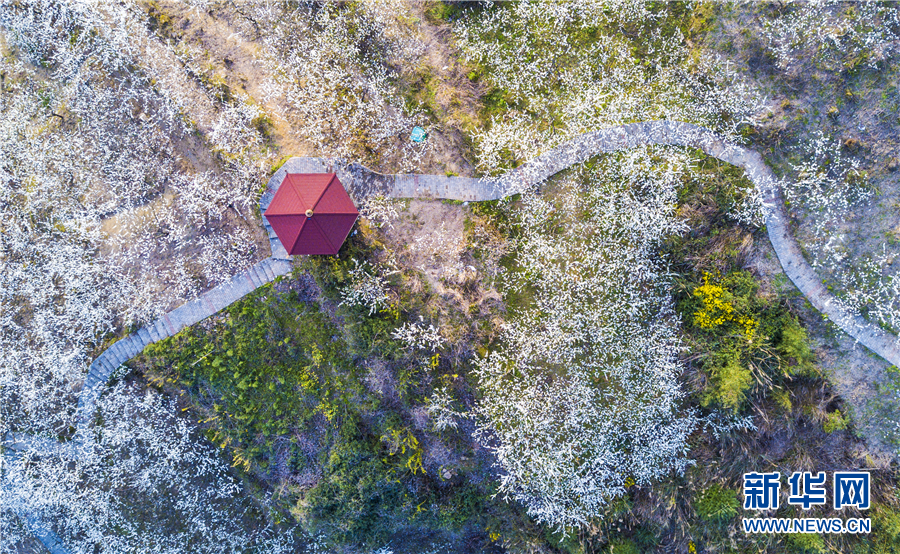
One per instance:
(324,192)
(299,233)
(324,234)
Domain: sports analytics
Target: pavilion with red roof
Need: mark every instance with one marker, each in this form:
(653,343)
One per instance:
(311,213)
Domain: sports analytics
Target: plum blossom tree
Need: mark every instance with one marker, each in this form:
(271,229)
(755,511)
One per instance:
(379,210)
(583,393)
(417,335)
(366,288)
(440,409)
(142,451)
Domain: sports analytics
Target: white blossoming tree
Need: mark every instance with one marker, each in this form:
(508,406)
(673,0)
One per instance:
(582,393)
(142,451)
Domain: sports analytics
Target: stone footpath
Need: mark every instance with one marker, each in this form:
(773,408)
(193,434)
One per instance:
(777,222)
(362,182)
(207,304)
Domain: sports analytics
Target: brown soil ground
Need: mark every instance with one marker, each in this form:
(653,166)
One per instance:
(233,59)
(430,236)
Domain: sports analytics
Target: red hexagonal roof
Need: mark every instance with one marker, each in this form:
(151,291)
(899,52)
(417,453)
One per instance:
(333,213)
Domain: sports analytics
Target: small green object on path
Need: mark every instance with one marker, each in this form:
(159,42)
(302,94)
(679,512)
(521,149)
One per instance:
(418,134)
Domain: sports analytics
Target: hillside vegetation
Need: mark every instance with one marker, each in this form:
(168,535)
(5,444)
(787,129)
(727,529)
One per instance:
(590,365)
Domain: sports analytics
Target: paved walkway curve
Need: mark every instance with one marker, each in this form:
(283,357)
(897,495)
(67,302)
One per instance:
(362,182)
(777,223)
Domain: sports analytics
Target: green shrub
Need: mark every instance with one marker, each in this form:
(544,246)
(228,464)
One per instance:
(783,399)
(835,421)
(886,523)
(805,542)
(437,12)
(353,502)
(717,503)
(793,346)
(623,546)
(729,380)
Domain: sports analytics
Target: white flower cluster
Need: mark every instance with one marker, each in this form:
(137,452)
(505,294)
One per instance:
(583,390)
(720,423)
(417,336)
(832,30)
(366,288)
(563,89)
(142,484)
(827,182)
(440,408)
(233,131)
(102,134)
(379,210)
(750,210)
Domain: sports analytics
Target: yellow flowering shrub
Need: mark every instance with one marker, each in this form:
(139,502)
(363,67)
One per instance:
(730,378)
(718,309)
(729,310)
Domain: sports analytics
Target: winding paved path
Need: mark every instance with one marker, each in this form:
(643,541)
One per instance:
(362,182)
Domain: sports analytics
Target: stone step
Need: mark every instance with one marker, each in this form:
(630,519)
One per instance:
(96,365)
(112,360)
(172,327)
(161,329)
(192,313)
(105,364)
(272,267)
(184,314)
(117,350)
(115,360)
(211,302)
(257,277)
(151,330)
(144,336)
(134,345)
(125,346)
(251,279)
(237,289)
(275,267)
(264,265)
(281,267)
